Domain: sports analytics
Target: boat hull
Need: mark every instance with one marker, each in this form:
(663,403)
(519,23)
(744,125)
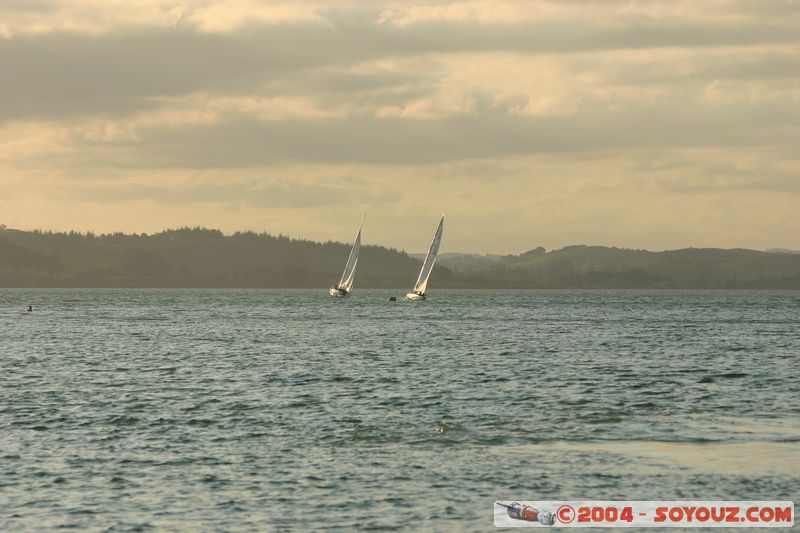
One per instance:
(414,297)
(338,293)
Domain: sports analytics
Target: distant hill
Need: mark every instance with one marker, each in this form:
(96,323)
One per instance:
(200,257)
(466,263)
(608,267)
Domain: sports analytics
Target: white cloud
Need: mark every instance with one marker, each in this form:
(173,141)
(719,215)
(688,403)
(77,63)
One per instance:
(104,16)
(610,12)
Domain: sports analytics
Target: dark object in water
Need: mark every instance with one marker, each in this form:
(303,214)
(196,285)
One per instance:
(392,298)
(30,308)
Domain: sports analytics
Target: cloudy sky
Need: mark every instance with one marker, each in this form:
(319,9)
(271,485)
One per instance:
(643,124)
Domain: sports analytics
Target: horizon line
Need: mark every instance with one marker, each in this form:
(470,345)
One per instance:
(772,249)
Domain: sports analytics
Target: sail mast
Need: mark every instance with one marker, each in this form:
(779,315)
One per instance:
(348,275)
(430,259)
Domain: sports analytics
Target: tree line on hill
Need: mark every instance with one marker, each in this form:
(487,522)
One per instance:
(200,257)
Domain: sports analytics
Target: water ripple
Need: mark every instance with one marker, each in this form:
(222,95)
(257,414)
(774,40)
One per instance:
(126,410)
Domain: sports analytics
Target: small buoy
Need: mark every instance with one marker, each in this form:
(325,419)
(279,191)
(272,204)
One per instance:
(392,299)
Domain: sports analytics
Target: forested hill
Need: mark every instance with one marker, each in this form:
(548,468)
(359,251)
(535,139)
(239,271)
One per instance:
(201,257)
(192,257)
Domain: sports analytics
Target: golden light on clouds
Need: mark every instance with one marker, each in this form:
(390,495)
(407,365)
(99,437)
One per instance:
(640,124)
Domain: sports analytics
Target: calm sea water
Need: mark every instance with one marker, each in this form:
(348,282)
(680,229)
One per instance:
(260,410)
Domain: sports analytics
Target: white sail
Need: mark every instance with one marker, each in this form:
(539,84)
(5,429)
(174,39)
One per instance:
(430,259)
(349,274)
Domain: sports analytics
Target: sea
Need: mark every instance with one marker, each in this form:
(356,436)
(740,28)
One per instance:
(285,410)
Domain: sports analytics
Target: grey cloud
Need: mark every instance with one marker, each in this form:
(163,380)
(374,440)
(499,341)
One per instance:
(255,193)
(774,169)
(770,65)
(773,8)
(65,74)
(333,89)
(60,74)
(239,141)
(25,6)
(343,83)
(736,181)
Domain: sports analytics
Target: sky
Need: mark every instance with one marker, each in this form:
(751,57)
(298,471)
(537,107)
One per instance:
(639,124)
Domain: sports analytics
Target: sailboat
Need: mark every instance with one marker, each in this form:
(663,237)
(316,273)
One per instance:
(345,285)
(418,292)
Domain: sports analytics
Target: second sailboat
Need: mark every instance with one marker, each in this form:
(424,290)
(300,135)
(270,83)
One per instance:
(418,292)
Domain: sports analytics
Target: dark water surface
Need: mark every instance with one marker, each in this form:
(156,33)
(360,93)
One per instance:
(256,410)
